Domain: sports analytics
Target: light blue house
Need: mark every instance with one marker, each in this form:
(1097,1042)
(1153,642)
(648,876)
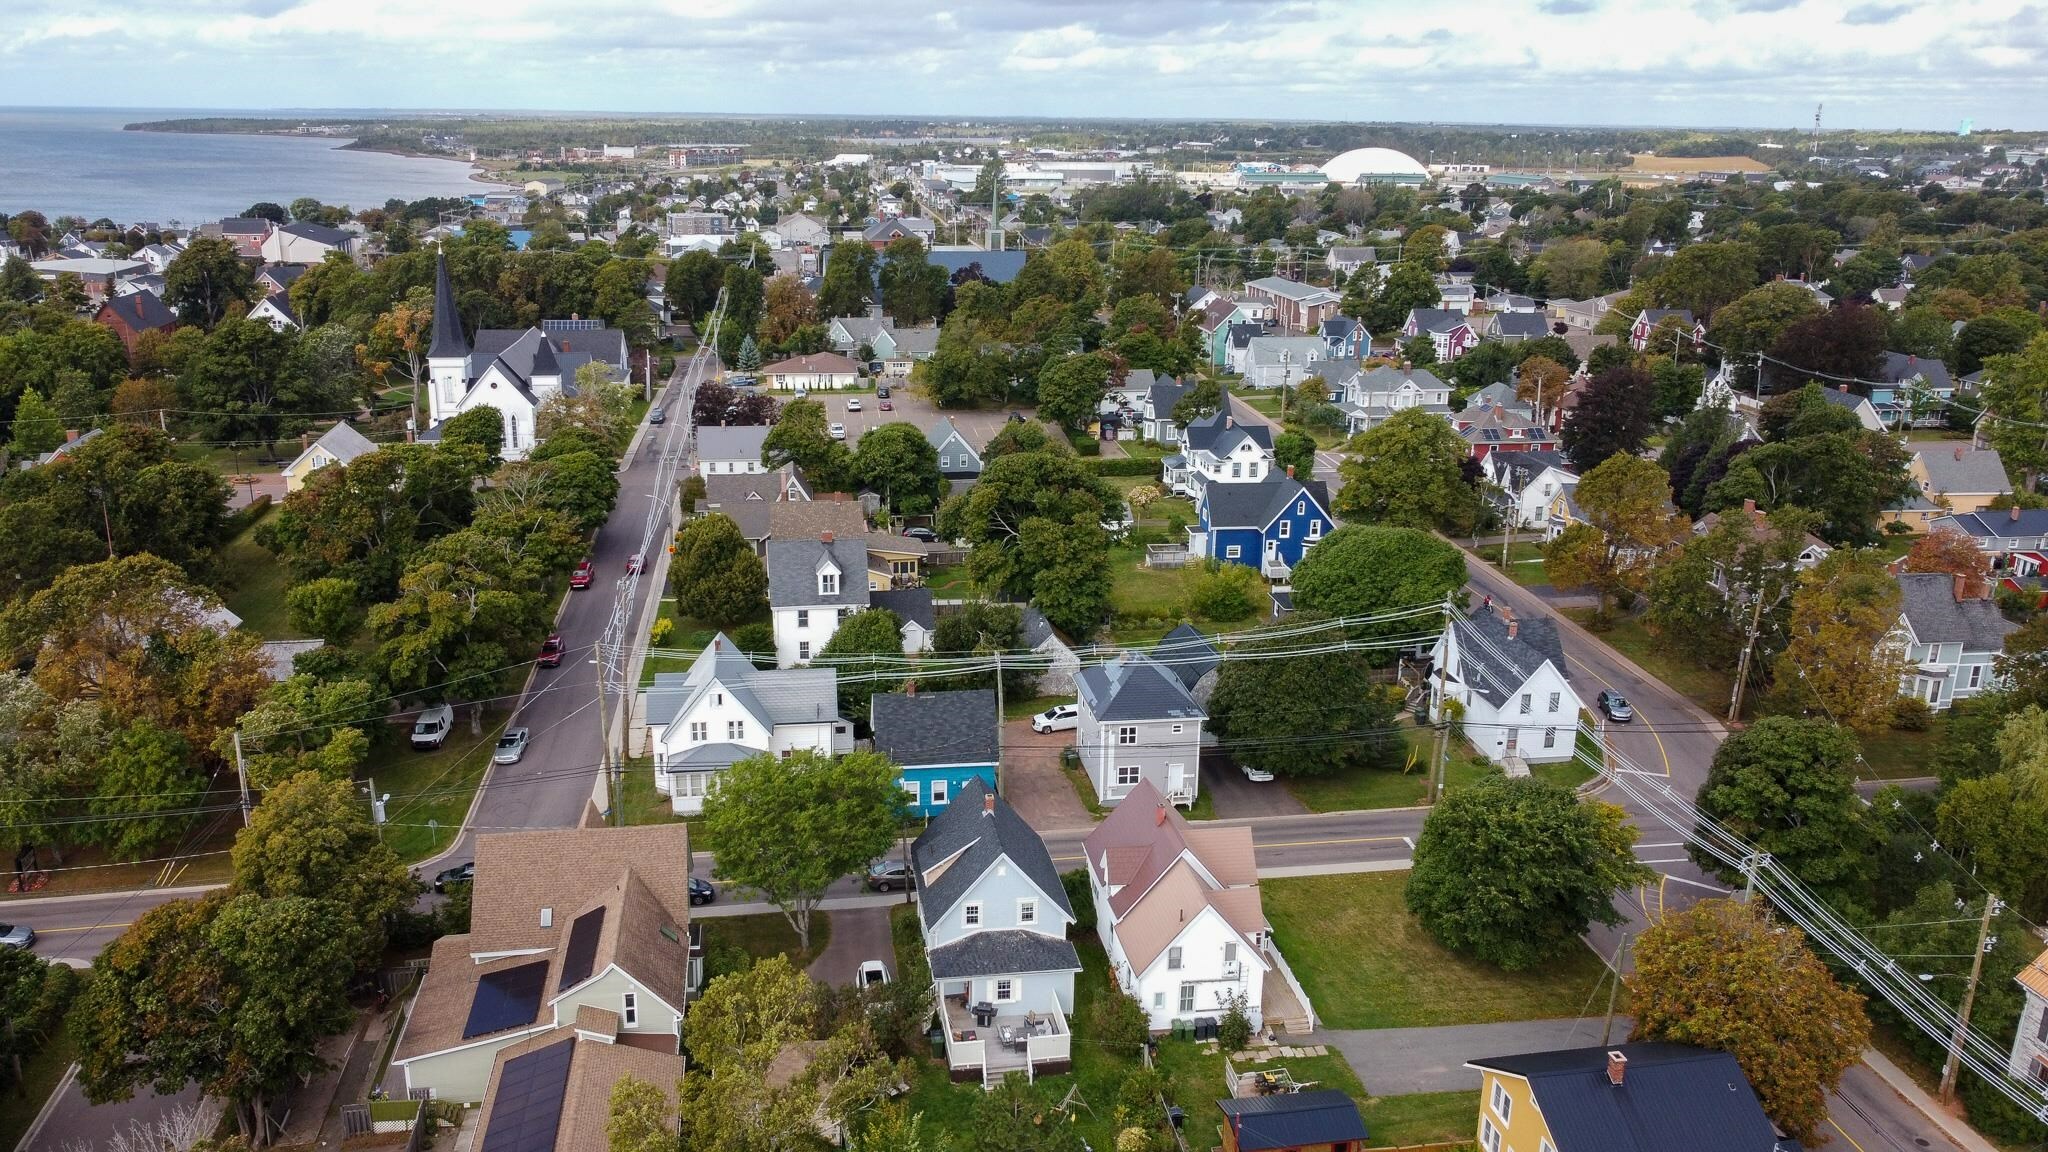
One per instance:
(1268,525)
(941,741)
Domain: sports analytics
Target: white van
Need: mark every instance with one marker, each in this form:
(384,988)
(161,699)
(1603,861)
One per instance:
(430,731)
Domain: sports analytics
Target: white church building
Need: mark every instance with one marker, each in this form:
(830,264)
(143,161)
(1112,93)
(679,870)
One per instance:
(513,370)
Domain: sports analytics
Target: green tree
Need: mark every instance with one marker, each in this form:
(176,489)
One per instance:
(2015,399)
(801,437)
(1017,1117)
(469,604)
(1310,714)
(311,838)
(482,428)
(1573,268)
(38,427)
(692,284)
(899,463)
(1405,287)
(1752,322)
(745,1014)
(2001,333)
(601,407)
(206,280)
(1222,591)
(1024,436)
(1295,450)
(1613,416)
(641,1118)
(748,360)
(48,760)
(1720,975)
(1514,871)
(307,723)
(787,827)
(1836,656)
(1069,566)
(1203,398)
(1071,388)
(1408,471)
(1787,786)
(1369,570)
(147,789)
(1629,522)
(849,281)
(1034,513)
(715,574)
(1703,277)
(864,650)
(33,997)
(242,381)
(913,288)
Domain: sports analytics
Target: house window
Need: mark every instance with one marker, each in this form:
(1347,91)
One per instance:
(1006,991)
(803,618)
(1232,552)
(1527,699)
(1286,527)
(910,790)
(845,612)
(631,1005)
(1177,728)
(693,784)
(970,915)
(1187,996)
(1236,470)
(938,792)
(1173,959)
(1489,1136)
(1027,911)
(718,699)
(1128,734)
(1503,1104)
(1976,675)
(1230,951)
(828,583)
(1550,737)
(1127,775)
(1159,999)
(1300,507)
(1315,530)
(945,461)
(735,729)
(803,649)
(1554,697)
(700,731)
(1255,469)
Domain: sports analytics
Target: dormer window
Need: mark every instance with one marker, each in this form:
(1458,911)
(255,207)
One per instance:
(828,583)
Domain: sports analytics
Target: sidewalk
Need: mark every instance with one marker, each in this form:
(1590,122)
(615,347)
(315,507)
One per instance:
(1896,1079)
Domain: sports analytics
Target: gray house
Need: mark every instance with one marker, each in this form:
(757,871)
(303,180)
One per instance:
(995,916)
(958,460)
(1138,722)
(1192,658)
(1045,641)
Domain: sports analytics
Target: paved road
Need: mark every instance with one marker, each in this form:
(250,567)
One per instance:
(72,1121)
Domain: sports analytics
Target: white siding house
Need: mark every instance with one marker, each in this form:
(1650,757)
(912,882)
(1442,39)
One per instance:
(1508,676)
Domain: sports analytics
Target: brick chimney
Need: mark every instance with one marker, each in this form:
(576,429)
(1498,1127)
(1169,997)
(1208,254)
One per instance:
(1617,1067)
(2013,514)
(1507,615)
(825,537)
(1959,451)
(71,435)
(1749,506)
(1159,815)
(910,689)
(1962,587)
(1290,471)
(1841,387)
(988,803)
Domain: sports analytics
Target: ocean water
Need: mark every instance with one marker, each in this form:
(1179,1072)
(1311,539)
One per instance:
(79,162)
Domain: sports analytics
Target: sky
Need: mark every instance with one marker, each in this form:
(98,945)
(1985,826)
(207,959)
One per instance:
(1739,63)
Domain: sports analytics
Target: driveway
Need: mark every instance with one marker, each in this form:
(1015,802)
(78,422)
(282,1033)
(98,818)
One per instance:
(858,935)
(1400,1061)
(1033,783)
(1235,796)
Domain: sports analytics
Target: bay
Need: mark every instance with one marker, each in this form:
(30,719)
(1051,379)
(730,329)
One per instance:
(78,161)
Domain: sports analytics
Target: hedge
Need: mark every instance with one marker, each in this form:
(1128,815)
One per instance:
(1123,466)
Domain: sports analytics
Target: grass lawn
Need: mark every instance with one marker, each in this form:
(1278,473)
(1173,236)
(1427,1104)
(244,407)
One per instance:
(1525,562)
(767,934)
(641,803)
(1706,687)
(950,582)
(40,1073)
(252,582)
(1015,708)
(690,636)
(1078,777)
(87,868)
(1424,1118)
(1366,963)
(1136,590)
(1146,449)
(1895,755)
(1268,404)
(430,791)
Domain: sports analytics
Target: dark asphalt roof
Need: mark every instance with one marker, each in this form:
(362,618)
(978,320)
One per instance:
(1188,654)
(448,338)
(1672,1098)
(1254,505)
(793,573)
(1929,602)
(1293,1120)
(909,604)
(143,310)
(1531,325)
(936,727)
(1134,687)
(979,837)
(1001,952)
(1498,666)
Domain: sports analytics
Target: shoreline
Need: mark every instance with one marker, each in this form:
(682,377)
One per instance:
(477,172)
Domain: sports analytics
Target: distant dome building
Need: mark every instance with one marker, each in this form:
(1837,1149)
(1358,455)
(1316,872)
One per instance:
(1375,166)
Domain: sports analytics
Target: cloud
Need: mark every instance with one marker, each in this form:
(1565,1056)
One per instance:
(1875,13)
(1568,7)
(1765,5)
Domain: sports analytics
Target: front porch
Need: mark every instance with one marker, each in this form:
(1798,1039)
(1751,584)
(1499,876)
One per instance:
(1028,1042)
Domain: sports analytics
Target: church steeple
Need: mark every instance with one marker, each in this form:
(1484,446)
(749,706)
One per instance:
(449,342)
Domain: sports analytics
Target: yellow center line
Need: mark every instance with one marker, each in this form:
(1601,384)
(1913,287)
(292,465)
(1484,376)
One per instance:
(1845,1135)
(1661,753)
(80,928)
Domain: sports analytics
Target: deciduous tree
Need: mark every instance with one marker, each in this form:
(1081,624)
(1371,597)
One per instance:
(715,573)
(864,650)
(1787,786)
(1613,415)
(2015,399)
(1837,659)
(1071,388)
(1408,472)
(1952,551)
(898,463)
(1629,522)
(147,788)
(311,837)
(1309,714)
(1369,570)
(206,280)
(801,438)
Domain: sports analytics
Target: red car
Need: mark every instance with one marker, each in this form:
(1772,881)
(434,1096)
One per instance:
(888,406)
(633,564)
(581,577)
(551,652)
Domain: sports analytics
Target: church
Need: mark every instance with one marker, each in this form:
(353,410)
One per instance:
(513,370)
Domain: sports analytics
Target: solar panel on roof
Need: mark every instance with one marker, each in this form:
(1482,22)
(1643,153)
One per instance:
(528,1111)
(506,998)
(582,951)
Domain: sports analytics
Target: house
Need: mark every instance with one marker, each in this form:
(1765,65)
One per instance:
(1138,724)
(1177,907)
(1490,427)
(98,274)
(1193,659)
(341,444)
(512,370)
(133,314)
(1951,635)
(729,451)
(723,710)
(1500,303)
(1348,259)
(1649,320)
(912,606)
(278,277)
(570,928)
(994,916)
(1453,296)
(1269,525)
(246,233)
(157,256)
(882,233)
(958,459)
(1237,341)
(552,1092)
(938,741)
(1370,397)
(2016,540)
(1911,392)
(1866,413)
(819,370)
(749,498)
(1282,361)
(1450,332)
(1345,338)
(1508,675)
(1061,664)
(1155,413)
(1638,1097)
(1812,550)
(1220,314)
(1511,327)
(1323,1120)
(848,334)
(1528,481)
(2029,1058)
(1957,478)
(803,230)
(1297,307)
(1217,449)
(276,311)
(813,584)
(906,347)
(302,242)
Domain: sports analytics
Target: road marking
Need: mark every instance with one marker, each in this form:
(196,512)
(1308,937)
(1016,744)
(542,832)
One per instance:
(1665,860)
(1664,844)
(1699,884)
(82,928)
(1845,1135)
(1588,669)
(1347,840)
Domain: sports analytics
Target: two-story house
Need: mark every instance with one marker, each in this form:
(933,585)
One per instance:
(571,927)
(1283,361)
(2029,1058)
(1348,259)
(1372,396)
(1177,906)
(958,459)
(1811,549)
(813,585)
(1138,723)
(1268,525)
(749,499)
(1953,478)
(730,451)
(1508,675)
(1627,1098)
(1216,449)
(724,709)
(1527,482)
(1155,415)
(1346,338)
(1951,635)
(1217,316)
(1297,307)
(1510,327)
(1649,320)
(1449,331)
(994,916)
(1911,392)
(1488,428)
(938,741)
(2015,540)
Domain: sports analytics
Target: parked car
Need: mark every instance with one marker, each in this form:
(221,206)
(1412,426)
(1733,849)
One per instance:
(803,393)
(888,875)
(1058,718)
(701,891)
(1615,707)
(874,367)
(873,974)
(853,403)
(16,936)
(656,416)
(1256,775)
(430,730)
(922,533)
(460,874)
(511,746)
(581,577)
(741,381)
(838,431)
(632,563)
(882,392)
(551,651)
(888,406)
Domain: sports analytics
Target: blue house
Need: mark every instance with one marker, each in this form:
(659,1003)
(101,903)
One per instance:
(1268,525)
(941,740)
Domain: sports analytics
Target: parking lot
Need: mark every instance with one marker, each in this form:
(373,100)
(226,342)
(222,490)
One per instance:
(978,426)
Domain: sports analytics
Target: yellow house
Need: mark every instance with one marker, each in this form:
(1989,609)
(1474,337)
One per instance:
(1626,1098)
(1953,477)
(340,444)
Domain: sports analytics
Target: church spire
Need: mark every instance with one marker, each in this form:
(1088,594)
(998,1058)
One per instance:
(449,342)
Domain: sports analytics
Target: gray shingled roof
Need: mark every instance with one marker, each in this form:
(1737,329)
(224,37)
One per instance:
(1527,325)
(1496,666)
(1997,525)
(936,727)
(1673,1098)
(1898,366)
(1001,953)
(1437,319)
(793,573)
(911,605)
(1135,687)
(1928,601)
(1219,432)
(448,338)
(1958,468)
(772,696)
(1255,505)
(974,838)
(742,442)
(1188,654)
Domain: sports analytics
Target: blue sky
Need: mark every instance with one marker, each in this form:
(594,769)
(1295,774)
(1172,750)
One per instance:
(1765,63)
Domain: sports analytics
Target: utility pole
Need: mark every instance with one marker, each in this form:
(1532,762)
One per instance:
(242,775)
(1443,720)
(1756,616)
(604,738)
(1614,970)
(999,718)
(1955,1042)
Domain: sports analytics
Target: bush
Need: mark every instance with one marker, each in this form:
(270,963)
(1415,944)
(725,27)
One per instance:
(756,639)
(1911,714)
(1083,443)
(663,631)
(693,491)
(240,519)
(1234,1031)
(1222,591)
(1075,881)
(1120,465)
(1119,1022)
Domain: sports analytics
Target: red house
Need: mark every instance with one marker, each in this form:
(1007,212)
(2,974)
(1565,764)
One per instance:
(132,315)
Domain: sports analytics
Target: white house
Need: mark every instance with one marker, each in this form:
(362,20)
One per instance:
(301,242)
(1368,398)
(723,710)
(1528,481)
(1283,361)
(812,586)
(820,370)
(276,311)
(1951,635)
(1508,676)
(730,451)
(1217,449)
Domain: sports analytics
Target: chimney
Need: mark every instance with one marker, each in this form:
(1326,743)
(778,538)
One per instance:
(825,537)
(1406,365)
(1290,471)
(306,441)
(1959,451)
(988,803)
(2013,514)
(1159,815)
(1749,506)
(1962,587)
(71,435)
(1841,387)
(718,643)
(1617,1067)
(910,689)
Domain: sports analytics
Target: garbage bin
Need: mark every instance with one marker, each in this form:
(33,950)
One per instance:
(1182,1029)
